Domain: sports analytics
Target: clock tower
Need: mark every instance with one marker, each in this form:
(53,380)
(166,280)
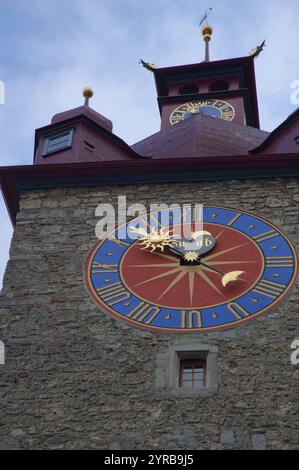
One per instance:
(151,336)
(223,89)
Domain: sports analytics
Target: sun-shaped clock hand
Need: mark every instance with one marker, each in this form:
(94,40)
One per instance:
(155,239)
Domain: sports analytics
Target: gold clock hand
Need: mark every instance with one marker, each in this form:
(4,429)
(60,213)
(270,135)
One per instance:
(232,276)
(226,278)
(155,239)
(212,269)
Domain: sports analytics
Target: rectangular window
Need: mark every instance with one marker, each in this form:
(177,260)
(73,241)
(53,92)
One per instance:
(192,373)
(60,141)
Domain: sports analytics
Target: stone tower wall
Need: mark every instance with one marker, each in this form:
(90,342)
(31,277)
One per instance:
(77,378)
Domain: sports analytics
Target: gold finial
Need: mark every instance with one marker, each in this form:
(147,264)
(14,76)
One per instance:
(207,32)
(88,93)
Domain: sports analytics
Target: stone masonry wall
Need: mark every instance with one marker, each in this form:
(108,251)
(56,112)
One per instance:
(77,378)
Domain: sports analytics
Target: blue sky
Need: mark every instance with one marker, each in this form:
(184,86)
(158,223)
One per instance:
(51,49)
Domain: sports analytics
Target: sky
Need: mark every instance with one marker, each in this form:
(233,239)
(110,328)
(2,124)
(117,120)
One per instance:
(51,49)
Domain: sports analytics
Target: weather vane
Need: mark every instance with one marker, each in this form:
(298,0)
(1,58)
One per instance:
(206,32)
(205,16)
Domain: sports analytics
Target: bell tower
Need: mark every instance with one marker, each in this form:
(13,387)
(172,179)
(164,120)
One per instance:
(224,89)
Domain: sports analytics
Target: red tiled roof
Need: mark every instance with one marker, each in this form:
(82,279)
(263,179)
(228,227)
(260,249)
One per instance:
(86,111)
(201,136)
(292,119)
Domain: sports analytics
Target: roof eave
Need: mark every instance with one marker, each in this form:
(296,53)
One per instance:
(15,179)
(291,119)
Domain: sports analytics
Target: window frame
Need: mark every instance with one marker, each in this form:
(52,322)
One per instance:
(69,133)
(218,82)
(194,364)
(189,86)
(167,373)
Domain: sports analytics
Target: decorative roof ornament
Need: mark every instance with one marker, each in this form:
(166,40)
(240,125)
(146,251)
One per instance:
(147,65)
(88,93)
(205,16)
(206,31)
(257,50)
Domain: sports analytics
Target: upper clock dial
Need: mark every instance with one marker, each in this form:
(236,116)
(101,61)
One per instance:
(207,107)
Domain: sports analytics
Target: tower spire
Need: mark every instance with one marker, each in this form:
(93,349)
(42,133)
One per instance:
(206,32)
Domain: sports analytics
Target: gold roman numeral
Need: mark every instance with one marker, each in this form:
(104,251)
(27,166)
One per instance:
(118,242)
(234,219)
(191,319)
(103,268)
(279,262)
(269,288)
(142,311)
(265,236)
(237,310)
(193,106)
(113,293)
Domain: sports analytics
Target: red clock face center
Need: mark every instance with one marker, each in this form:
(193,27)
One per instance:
(159,278)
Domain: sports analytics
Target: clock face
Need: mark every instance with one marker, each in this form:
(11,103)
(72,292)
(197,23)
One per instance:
(236,268)
(207,107)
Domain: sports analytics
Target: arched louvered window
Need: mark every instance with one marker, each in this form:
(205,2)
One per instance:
(188,90)
(219,86)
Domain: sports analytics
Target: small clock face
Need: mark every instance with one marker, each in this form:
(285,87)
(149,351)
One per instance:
(211,107)
(237,268)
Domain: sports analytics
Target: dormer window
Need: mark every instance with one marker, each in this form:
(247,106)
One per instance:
(189,90)
(221,85)
(60,141)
